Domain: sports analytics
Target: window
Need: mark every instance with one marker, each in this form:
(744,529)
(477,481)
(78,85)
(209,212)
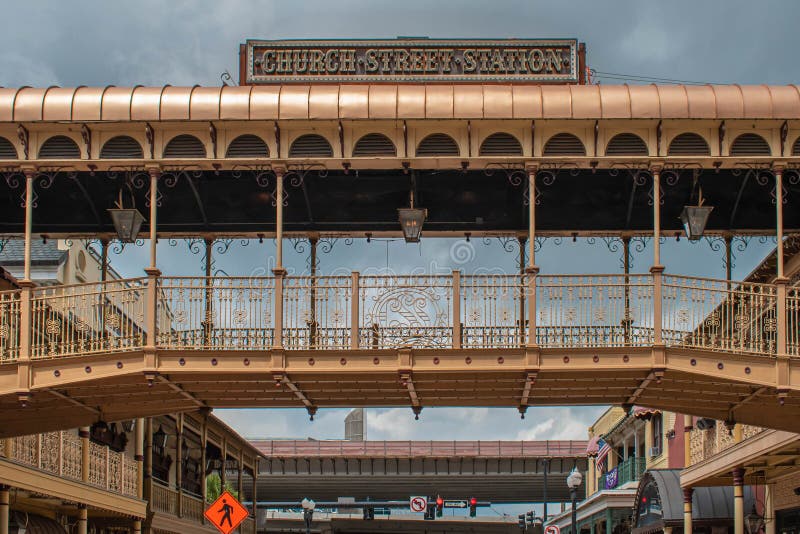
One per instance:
(658,434)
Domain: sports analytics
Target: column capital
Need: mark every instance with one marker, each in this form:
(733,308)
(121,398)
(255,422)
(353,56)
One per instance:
(532,269)
(154,171)
(29,171)
(152,271)
(687,495)
(279,168)
(738,476)
(531,167)
(657,269)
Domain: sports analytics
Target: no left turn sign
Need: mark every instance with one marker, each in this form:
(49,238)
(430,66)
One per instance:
(418,504)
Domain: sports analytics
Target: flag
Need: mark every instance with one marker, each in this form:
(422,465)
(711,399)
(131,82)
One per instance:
(603,448)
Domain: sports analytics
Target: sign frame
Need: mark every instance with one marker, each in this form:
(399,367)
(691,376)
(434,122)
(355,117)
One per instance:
(418,499)
(450,61)
(226,498)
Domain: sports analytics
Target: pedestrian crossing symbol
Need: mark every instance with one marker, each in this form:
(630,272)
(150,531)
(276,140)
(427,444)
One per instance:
(226,513)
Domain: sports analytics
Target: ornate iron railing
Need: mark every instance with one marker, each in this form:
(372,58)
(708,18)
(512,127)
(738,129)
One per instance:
(405,310)
(60,453)
(493,311)
(215,313)
(594,311)
(9,325)
(628,470)
(736,317)
(87,318)
(482,311)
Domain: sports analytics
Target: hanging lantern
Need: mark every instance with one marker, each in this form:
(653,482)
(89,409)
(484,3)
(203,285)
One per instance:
(127,221)
(412,219)
(753,521)
(160,438)
(694,219)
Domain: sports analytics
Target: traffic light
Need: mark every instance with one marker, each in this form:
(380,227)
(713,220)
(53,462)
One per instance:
(529,517)
(369,513)
(521,522)
(430,512)
(473,507)
(439,506)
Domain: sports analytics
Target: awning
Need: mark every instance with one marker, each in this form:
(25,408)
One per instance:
(640,412)
(659,502)
(33,524)
(402,101)
(593,446)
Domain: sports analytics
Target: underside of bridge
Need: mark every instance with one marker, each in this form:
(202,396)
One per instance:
(495,480)
(71,392)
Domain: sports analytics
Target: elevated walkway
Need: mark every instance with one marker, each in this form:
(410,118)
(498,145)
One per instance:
(139,347)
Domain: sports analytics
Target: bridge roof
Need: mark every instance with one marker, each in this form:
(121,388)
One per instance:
(415,449)
(407,101)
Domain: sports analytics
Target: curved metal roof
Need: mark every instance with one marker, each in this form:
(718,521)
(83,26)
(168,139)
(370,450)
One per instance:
(707,502)
(420,101)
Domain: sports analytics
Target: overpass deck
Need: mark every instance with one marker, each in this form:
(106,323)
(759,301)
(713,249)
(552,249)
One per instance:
(493,471)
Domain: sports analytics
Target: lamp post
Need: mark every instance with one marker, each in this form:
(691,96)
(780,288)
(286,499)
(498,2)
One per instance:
(308,512)
(573,483)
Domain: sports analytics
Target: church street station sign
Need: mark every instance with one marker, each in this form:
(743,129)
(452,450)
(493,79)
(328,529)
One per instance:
(412,60)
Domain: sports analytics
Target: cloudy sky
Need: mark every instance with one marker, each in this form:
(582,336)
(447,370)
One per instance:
(179,42)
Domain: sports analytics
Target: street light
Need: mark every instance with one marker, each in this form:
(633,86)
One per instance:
(573,483)
(308,512)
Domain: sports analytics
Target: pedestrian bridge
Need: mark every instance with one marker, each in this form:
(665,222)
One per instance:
(130,348)
(493,471)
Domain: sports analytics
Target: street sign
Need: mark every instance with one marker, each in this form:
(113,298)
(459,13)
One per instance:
(418,504)
(552,529)
(226,513)
(455,504)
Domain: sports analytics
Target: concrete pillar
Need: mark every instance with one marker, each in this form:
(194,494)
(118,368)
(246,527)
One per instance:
(738,501)
(83,433)
(4,509)
(687,510)
(83,519)
(609,520)
(137,527)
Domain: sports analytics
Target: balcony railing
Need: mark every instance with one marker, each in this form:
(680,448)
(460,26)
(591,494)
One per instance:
(629,470)
(390,311)
(60,453)
(708,442)
(167,500)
